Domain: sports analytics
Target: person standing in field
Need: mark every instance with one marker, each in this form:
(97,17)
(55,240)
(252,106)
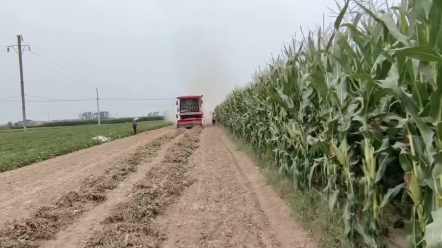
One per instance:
(135,125)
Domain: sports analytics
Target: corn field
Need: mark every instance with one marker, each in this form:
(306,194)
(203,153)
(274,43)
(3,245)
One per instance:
(356,115)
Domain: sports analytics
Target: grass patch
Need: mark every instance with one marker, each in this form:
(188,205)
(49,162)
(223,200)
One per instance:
(309,208)
(38,144)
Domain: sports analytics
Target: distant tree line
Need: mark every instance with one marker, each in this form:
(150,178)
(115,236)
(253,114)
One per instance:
(154,114)
(88,118)
(105,121)
(94,115)
(17,124)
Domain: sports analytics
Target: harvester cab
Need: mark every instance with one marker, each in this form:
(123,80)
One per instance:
(189,111)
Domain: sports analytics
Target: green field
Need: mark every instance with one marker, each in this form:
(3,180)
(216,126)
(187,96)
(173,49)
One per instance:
(37,144)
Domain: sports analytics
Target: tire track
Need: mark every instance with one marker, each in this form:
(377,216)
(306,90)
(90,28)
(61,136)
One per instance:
(76,234)
(218,210)
(272,209)
(230,205)
(30,187)
(132,224)
(48,220)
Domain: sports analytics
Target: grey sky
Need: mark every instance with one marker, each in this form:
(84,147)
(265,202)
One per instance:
(140,49)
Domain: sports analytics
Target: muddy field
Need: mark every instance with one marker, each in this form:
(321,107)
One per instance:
(166,188)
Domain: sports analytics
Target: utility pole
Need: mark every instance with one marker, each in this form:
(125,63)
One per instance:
(98,107)
(20,49)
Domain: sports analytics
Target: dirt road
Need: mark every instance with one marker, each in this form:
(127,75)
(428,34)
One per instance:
(166,188)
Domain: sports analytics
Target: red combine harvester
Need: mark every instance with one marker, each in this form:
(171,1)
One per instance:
(190,111)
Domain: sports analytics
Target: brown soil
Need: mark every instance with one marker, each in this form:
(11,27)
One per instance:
(25,189)
(230,204)
(132,224)
(74,235)
(198,191)
(46,221)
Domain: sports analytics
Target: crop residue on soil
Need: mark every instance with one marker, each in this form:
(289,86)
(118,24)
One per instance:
(132,224)
(48,220)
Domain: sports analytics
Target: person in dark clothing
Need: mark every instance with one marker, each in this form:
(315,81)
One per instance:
(134,125)
(213,117)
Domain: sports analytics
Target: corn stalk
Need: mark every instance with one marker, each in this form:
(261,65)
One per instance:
(357,114)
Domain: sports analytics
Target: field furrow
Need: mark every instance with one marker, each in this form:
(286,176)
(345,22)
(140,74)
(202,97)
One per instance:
(223,207)
(132,224)
(173,188)
(48,220)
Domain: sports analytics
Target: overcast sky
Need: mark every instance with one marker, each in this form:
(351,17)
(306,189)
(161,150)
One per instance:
(140,49)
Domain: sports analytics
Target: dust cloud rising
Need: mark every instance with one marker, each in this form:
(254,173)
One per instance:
(170,114)
(202,70)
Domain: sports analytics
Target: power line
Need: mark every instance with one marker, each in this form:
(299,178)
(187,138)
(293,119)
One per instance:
(137,107)
(85,99)
(69,76)
(46,99)
(57,64)
(66,69)
(58,99)
(59,73)
(107,109)
(10,97)
(79,70)
(112,111)
(55,113)
(78,74)
(137,99)
(67,100)
(6,37)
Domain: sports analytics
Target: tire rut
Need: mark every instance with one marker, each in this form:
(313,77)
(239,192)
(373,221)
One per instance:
(132,223)
(229,205)
(218,210)
(30,187)
(44,223)
(273,209)
(77,234)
